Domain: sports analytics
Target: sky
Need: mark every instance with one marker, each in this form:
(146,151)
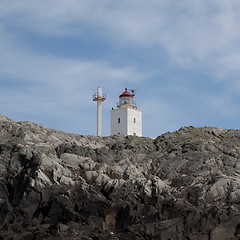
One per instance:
(182,56)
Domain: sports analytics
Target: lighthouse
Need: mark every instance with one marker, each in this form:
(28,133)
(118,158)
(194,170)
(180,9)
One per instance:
(126,119)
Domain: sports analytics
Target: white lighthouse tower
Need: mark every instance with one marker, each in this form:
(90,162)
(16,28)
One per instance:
(126,119)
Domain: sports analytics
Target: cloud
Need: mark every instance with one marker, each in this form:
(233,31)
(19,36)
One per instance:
(198,36)
(195,33)
(230,63)
(45,87)
(60,72)
(198,23)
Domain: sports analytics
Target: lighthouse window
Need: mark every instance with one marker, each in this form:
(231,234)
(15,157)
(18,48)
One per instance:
(118,120)
(134,120)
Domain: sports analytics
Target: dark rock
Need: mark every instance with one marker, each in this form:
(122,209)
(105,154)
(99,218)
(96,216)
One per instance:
(181,185)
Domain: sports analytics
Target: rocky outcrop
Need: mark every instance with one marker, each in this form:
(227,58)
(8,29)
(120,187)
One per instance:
(181,185)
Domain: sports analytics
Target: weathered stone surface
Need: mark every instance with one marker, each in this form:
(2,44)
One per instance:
(181,185)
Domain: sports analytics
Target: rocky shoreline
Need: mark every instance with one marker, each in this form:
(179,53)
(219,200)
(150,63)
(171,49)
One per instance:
(181,185)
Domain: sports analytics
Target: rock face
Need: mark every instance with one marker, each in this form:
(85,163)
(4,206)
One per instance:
(181,185)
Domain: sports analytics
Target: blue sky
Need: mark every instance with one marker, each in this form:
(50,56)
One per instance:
(183,56)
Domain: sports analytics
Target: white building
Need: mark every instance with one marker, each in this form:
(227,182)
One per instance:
(126,119)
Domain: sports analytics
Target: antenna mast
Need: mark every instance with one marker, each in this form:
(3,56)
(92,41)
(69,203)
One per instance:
(99,97)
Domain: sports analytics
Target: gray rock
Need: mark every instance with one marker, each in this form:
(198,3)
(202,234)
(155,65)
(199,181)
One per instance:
(181,185)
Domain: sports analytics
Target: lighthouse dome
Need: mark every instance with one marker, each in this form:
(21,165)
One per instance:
(126,94)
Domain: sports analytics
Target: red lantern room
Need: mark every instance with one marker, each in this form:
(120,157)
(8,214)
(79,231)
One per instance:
(126,100)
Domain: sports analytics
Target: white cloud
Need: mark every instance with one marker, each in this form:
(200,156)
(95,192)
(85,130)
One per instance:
(50,86)
(194,32)
(59,72)
(199,34)
(231,63)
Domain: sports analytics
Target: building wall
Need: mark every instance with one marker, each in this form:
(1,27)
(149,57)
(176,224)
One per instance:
(134,127)
(119,128)
(127,126)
